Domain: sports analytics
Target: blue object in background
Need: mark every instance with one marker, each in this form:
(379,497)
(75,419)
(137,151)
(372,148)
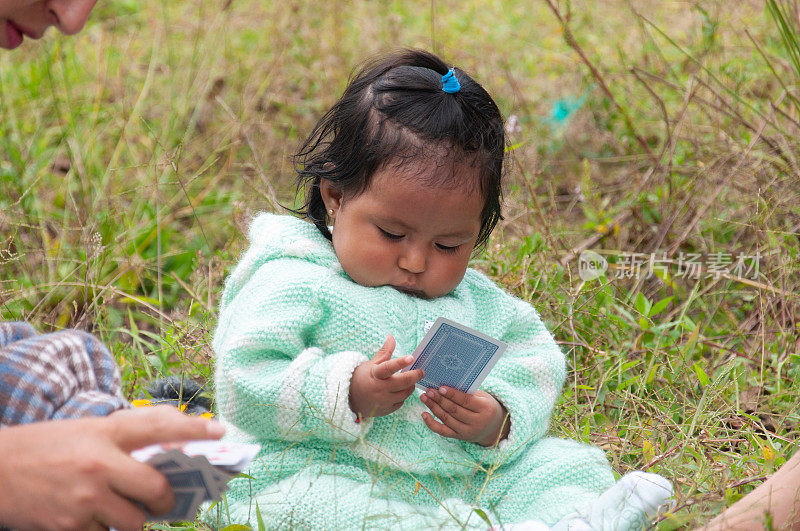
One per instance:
(563,109)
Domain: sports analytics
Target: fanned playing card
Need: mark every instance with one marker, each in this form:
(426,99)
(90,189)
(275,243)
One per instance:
(197,471)
(455,356)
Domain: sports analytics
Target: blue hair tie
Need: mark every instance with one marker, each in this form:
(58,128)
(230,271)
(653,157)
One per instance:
(450,83)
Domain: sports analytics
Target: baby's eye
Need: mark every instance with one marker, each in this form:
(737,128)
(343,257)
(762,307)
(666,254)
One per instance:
(447,248)
(389,235)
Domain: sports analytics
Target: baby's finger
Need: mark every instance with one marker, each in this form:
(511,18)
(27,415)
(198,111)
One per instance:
(385,352)
(461,398)
(406,379)
(462,414)
(438,427)
(400,396)
(387,368)
(446,417)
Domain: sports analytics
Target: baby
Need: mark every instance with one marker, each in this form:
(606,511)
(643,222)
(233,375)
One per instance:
(316,324)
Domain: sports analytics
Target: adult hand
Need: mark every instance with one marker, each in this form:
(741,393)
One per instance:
(78,474)
(376,388)
(477,418)
(776,501)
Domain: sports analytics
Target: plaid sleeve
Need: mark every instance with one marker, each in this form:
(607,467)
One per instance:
(14,331)
(66,374)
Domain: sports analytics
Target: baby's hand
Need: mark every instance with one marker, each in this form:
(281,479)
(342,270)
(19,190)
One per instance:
(477,418)
(376,389)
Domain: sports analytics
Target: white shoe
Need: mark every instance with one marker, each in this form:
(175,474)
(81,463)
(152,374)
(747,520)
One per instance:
(628,504)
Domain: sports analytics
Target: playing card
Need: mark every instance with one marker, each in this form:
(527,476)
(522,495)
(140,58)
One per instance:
(455,356)
(167,461)
(187,502)
(194,478)
(144,454)
(190,474)
(210,475)
(223,476)
(232,456)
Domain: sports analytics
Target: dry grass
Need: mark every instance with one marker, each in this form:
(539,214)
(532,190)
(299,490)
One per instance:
(132,155)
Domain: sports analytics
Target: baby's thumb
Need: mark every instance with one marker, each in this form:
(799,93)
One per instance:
(385,352)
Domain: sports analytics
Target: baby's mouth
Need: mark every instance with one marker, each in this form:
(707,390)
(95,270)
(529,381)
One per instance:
(411,291)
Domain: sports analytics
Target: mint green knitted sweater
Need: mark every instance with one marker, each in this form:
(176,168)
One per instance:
(293,327)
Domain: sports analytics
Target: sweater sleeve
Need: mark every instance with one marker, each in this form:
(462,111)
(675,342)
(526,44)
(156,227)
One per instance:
(272,383)
(527,380)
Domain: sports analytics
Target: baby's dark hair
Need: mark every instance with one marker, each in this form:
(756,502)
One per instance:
(392,112)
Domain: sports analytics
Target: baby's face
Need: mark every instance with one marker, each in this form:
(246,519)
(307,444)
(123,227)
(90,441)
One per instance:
(402,233)
(31,18)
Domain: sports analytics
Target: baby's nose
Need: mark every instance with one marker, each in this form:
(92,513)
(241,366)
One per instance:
(413,259)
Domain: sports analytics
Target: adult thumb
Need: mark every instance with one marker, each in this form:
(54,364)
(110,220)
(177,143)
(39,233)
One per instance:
(385,352)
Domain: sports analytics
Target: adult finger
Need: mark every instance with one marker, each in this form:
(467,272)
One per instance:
(461,398)
(119,513)
(136,428)
(385,352)
(388,368)
(438,427)
(143,483)
(405,380)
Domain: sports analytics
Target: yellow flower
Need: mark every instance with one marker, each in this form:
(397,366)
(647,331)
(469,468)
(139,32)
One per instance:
(648,451)
(767,452)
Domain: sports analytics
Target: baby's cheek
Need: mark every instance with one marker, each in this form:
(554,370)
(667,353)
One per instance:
(450,275)
(376,260)
(366,264)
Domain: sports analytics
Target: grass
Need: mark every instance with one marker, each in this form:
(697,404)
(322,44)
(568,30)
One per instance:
(133,154)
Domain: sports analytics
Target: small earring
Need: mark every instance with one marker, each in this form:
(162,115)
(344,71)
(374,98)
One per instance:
(330,212)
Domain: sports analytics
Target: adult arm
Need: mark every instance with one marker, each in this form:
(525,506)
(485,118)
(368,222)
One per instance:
(78,474)
(777,501)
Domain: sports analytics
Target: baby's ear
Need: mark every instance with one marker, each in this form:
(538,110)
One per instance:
(328,166)
(331,195)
